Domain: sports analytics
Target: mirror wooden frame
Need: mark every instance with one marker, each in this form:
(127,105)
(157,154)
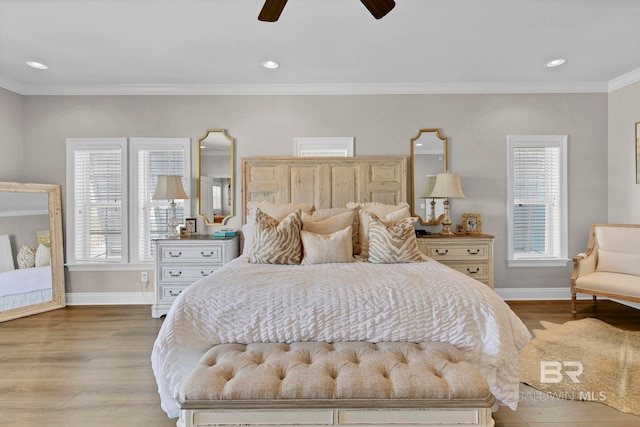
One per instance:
(231,140)
(58,299)
(444,140)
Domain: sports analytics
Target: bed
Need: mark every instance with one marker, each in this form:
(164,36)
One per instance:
(246,302)
(24,286)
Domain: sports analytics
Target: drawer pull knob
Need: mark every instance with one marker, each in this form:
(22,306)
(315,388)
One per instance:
(175,255)
(173,293)
(473,272)
(476,252)
(205,273)
(446,251)
(209,255)
(178,274)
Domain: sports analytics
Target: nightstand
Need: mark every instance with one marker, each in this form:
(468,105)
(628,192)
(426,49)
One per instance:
(180,262)
(471,254)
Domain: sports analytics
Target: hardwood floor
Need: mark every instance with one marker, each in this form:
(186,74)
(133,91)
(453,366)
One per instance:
(90,366)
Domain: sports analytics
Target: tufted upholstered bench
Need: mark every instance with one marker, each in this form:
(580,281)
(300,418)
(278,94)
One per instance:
(314,383)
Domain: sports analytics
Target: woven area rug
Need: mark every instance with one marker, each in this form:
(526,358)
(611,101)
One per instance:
(585,360)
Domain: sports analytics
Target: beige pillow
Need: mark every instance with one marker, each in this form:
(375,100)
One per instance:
(382,211)
(618,262)
(276,242)
(320,214)
(393,241)
(275,210)
(26,257)
(327,248)
(43,256)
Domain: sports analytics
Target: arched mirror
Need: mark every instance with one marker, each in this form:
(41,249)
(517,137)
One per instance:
(428,158)
(31,254)
(215,177)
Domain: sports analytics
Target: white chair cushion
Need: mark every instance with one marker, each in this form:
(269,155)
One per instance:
(613,283)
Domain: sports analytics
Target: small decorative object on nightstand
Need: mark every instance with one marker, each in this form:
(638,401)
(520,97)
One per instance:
(181,262)
(471,254)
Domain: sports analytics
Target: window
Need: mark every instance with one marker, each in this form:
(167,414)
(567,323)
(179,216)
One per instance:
(537,205)
(110,181)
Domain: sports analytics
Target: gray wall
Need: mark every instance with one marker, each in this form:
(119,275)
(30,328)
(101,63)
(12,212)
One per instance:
(476,125)
(11,127)
(624,193)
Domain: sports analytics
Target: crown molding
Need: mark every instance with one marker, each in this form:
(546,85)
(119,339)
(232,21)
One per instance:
(624,80)
(315,89)
(11,85)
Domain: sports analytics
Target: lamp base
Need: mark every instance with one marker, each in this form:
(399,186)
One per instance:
(172,225)
(446,221)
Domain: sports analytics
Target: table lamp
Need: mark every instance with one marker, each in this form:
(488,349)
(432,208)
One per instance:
(169,187)
(447,185)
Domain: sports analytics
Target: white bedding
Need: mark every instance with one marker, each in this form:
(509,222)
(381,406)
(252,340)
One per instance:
(26,286)
(359,301)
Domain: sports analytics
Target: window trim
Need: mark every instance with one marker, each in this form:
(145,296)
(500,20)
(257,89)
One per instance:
(76,144)
(560,141)
(144,143)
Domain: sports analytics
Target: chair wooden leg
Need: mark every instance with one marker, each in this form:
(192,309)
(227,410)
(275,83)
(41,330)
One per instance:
(595,301)
(573,304)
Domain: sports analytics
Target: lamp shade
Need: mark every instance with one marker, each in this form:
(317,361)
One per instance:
(429,183)
(447,185)
(169,187)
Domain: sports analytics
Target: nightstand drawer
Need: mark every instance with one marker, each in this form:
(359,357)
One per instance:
(212,254)
(181,273)
(456,252)
(169,293)
(477,271)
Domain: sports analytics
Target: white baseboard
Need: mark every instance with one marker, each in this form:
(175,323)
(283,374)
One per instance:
(533,294)
(109,298)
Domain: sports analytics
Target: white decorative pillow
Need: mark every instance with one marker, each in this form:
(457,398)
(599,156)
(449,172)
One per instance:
(43,256)
(276,242)
(393,241)
(247,236)
(26,257)
(327,248)
(618,262)
(332,213)
(275,210)
(382,211)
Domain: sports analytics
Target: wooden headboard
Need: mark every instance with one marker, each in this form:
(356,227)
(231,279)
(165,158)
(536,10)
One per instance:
(324,182)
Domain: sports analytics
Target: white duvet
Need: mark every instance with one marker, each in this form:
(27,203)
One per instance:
(428,301)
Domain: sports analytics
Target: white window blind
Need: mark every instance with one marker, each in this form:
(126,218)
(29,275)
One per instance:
(537,198)
(98,216)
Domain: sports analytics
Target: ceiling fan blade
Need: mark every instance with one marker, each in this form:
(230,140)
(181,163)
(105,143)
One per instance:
(271,10)
(379,8)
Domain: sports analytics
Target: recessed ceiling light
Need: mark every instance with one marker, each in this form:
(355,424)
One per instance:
(38,65)
(271,65)
(556,62)
(418,144)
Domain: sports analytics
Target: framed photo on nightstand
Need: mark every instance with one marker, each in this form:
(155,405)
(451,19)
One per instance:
(472,223)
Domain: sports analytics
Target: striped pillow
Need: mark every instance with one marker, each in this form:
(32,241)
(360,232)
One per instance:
(393,242)
(276,242)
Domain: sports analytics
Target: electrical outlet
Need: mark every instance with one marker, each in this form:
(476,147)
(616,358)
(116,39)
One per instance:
(144,277)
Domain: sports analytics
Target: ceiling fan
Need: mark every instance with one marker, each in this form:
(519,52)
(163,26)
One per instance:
(273,8)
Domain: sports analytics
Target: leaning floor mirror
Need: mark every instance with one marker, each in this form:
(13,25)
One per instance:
(31,250)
